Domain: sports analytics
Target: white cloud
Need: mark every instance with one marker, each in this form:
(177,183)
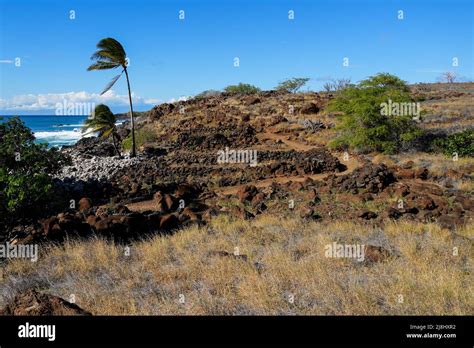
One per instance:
(182,98)
(49,101)
(152,101)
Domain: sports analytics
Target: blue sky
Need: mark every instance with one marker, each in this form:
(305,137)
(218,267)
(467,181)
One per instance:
(171,58)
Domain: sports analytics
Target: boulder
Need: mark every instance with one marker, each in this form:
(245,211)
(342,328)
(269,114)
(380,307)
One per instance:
(374,253)
(367,215)
(85,204)
(310,108)
(169,222)
(34,303)
(247,193)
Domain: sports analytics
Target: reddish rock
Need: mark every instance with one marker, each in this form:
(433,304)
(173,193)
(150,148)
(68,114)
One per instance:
(310,108)
(407,165)
(33,303)
(190,215)
(169,222)
(48,225)
(366,197)
(466,203)
(85,204)
(405,174)
(375,253)
(368,215)
(170,202)
(92,219)
(422,173)
(424,202)
(241,213)
(246,193)
(259,198)
(401,189)
(209,214)
(296,186)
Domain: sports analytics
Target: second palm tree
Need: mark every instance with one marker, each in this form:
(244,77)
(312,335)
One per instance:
(110,54)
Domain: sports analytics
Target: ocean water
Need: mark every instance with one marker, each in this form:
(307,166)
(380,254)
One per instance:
(55,130)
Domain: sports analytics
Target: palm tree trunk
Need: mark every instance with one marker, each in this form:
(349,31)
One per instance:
(115,145)
(134,153)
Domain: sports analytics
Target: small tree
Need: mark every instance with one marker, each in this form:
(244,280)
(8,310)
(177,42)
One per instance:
(292,85)
(363,126)
(242,88)
(448,77)
(25,171)
(336,85)
(103,121)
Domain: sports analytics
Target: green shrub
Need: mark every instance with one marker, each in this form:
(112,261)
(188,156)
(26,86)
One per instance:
(25,171)
(364,126)
(242,88)
(461,143)
(292,85)
(142,136)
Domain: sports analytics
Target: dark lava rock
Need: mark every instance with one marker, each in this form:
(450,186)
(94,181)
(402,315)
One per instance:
(32,303)
(169,222)
(371,178)
(368,215)
(310,108)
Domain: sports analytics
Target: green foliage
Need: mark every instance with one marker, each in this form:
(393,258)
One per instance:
(242,88)
(363,126)
(292,85)
(103,121)
(25,168)
(336,85)
(143,135)
(461,143)
(110,54)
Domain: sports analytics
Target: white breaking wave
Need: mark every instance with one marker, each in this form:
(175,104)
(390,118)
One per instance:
(63,137)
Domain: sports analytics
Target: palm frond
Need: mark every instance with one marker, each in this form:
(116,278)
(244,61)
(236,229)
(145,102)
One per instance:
(107,56)
(93,129)
(111,83)
(100,65)
(107,133)
(112,45)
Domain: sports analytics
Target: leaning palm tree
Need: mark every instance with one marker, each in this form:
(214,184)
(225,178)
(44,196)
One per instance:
(102,121)
(111,55)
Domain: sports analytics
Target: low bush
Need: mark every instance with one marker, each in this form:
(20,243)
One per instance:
(461,143)
(26,185)
(142,136)
(242,88)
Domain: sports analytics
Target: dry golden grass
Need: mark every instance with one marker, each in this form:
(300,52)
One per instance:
(285,258)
